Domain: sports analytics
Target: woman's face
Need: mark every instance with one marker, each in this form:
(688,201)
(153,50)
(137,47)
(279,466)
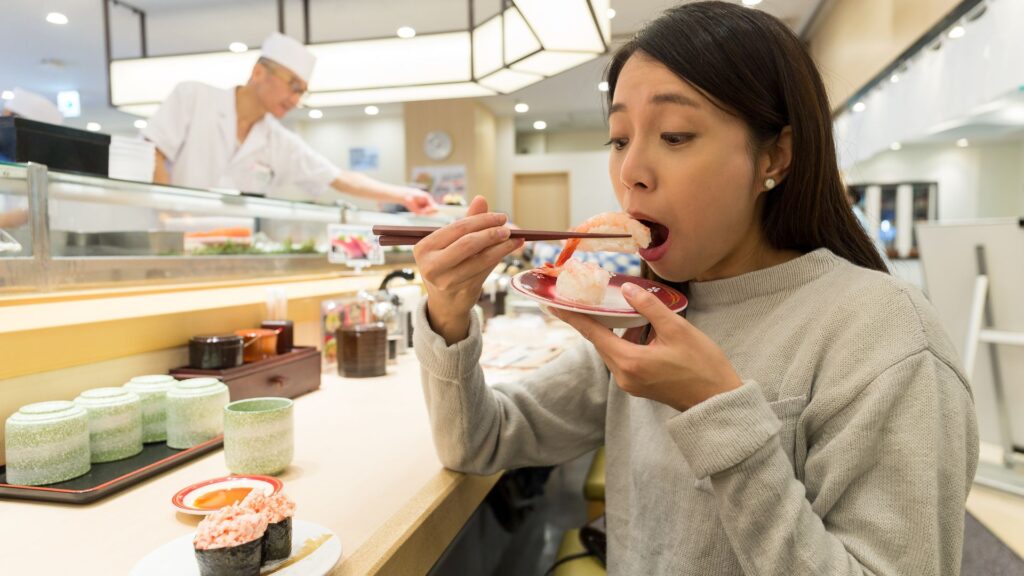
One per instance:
(685,167)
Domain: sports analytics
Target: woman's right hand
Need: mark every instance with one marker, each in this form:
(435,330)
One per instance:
(454,262)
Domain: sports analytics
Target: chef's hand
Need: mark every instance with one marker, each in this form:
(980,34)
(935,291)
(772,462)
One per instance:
(419,202)
(454,262)
(680,366)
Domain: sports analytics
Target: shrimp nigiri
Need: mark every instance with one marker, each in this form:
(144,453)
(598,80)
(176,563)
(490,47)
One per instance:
(606,223)
(582,282)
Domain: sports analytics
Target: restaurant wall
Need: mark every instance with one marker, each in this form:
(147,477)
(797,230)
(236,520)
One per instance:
(588,140)
(472,128)
(853,40)
(589,188)
(505,153)
(335,137)
(981,181)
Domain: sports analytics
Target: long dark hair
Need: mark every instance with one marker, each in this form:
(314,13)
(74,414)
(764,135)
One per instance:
(752,66)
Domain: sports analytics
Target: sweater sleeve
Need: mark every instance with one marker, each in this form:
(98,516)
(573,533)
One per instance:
(555,414)
(882,489)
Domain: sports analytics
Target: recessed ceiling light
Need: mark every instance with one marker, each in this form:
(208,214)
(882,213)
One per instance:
(540,125)
(751,2)
(957,32)
(894,78)
(611,13)
(238,47)
(963,143)
(93,127)
(371,110)
(406,32)
(7,95)
(56,18)
(316,114)
(860,107)
(602,86)
(895,146)
(140,124)
(522,107)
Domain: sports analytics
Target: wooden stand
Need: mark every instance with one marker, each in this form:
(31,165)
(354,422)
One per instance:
(285,375)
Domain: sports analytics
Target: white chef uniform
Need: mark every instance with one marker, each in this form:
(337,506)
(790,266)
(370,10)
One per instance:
(196,129)
(34,107)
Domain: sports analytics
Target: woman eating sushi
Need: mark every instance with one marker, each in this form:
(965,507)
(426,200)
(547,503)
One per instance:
(807,414)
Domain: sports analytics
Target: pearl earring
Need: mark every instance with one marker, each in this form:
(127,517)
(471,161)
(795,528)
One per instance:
(769,183)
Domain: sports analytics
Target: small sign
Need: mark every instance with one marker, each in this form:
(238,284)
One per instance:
(447,184)
(354,246)
(364,158)
(69,104)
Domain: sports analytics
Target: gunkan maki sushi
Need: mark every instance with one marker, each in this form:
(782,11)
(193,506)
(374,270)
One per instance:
(229,542)
(278,510)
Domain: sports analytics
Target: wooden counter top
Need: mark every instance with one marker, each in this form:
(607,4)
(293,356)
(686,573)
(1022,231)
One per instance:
(365,466)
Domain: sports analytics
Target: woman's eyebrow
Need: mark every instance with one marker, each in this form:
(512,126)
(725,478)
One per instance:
(667,98)
(674,98)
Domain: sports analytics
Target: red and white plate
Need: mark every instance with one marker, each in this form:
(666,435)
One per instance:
(613,312)
(219,490)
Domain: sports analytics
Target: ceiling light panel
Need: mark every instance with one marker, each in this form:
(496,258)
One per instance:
(549,21)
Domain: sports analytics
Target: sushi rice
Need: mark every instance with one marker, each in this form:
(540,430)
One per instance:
(582,282)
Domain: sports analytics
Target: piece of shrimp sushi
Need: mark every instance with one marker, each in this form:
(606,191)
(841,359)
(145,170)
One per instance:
(605,223)
(582,282)
(614,223)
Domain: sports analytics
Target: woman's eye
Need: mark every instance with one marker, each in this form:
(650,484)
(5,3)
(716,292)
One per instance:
(676,138)
(617,143)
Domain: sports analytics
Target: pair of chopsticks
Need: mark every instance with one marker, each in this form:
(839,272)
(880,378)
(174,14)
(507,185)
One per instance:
(410,235)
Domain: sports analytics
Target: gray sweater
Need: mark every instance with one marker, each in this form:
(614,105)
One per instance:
(849,449)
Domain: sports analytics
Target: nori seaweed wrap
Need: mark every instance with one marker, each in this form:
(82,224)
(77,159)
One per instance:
(277,541)
(242,560)
(229,542)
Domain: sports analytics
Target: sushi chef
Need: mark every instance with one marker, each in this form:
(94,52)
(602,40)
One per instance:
(208,137)
(32,106)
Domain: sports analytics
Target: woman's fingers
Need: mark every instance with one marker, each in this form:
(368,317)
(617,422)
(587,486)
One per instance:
(474,270)
(470,247)
(661,316)
(447,235)
(477,206)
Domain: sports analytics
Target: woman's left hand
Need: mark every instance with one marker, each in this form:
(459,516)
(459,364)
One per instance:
(679,366)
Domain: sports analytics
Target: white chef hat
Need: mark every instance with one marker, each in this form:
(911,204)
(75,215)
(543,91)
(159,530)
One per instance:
(289,53)
(34,107)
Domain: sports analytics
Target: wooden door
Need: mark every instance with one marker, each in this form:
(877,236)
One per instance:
(541,201)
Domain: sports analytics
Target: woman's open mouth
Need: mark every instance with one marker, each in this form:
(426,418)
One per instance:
(659,241)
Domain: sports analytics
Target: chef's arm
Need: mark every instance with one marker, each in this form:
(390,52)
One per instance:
(160,175)
(13,219)
(361,185)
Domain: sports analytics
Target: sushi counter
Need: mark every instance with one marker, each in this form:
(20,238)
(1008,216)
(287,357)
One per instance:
(364,467)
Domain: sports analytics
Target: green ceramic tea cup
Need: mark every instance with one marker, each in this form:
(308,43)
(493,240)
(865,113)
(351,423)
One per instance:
(259,435)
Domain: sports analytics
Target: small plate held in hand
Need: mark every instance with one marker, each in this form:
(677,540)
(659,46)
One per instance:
(613,312)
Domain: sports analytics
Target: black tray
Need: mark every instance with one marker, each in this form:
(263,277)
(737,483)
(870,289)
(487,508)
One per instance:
(106,478)
(59,147)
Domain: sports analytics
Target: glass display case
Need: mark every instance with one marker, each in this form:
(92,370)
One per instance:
(63,230)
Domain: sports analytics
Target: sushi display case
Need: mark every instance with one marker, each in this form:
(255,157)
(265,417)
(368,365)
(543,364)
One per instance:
(63,230)
(104,479)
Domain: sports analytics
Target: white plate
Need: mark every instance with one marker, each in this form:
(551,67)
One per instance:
(178,557)
(612,312)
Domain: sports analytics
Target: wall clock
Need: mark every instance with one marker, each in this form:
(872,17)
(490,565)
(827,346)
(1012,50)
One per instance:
(437,145)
